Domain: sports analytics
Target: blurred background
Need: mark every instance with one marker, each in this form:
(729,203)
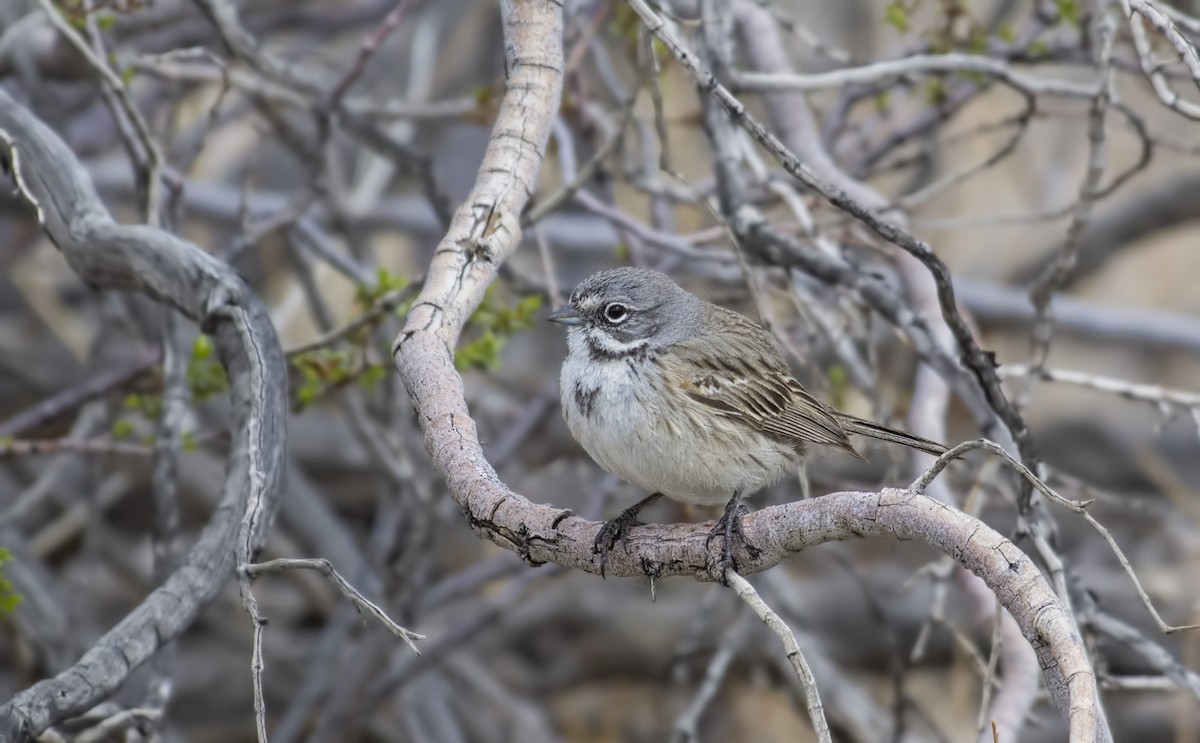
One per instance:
(327,186)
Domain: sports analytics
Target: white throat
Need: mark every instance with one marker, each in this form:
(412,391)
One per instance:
(600,346)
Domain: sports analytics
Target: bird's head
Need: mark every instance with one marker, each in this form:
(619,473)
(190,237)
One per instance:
(626,309)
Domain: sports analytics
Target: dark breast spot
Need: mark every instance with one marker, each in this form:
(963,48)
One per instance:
(585,399)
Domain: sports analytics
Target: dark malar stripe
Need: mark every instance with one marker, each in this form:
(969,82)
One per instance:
(598,353)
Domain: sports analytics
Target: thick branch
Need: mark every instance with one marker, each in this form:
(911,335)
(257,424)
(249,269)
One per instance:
(175,272)
(543,534)
(487,228)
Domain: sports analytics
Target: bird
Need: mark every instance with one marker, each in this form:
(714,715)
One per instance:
(686,399)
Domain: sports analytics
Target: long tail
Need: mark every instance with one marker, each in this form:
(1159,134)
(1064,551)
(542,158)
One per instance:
(862,427)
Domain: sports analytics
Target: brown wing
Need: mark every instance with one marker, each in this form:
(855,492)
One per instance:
(738,372)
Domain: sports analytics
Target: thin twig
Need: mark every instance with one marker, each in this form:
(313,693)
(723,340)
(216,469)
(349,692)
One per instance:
(1139,11)
(1068,254)
(75,396)
(816,711)
(119,92)
(1161,397)
(323,566)
(386,303)
(369,46)
(247,573)
(1078,507)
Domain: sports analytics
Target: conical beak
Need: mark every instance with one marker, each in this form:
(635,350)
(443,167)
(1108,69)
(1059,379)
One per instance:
(566,315)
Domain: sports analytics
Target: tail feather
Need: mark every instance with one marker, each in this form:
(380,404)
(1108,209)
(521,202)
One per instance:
(874,430)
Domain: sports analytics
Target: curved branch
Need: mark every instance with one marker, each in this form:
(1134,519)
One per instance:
(541,534)
(487,227)
(481,234)
(177,273)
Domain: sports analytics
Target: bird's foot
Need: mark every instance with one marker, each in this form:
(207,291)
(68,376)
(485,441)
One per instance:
(615,531)
(729,528)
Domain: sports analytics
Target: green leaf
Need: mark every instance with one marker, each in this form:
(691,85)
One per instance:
(529,306)
(495,324)
(201,348)
(372,375)
(935,90)
(152,406)
(205,376)
(977,44)
(8,598)
(366,295)
(661,52)
(838,382)
(1068,10)
(896,16)
(481,353)
(122,428)
(308,393)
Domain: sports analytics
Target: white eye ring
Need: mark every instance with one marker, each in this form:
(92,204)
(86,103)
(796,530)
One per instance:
(616,313)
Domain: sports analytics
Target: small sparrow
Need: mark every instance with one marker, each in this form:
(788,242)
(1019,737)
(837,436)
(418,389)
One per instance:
(688,400)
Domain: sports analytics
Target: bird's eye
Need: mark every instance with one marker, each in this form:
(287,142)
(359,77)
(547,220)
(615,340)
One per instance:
(616,312)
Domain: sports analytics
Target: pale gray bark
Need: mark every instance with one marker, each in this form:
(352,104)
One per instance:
(181,275)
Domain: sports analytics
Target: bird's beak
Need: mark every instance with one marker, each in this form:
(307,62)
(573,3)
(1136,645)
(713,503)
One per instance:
(566,315)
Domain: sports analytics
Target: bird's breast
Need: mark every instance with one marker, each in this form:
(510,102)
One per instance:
(635,425)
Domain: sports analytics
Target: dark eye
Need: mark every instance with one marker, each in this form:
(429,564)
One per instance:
(616,312)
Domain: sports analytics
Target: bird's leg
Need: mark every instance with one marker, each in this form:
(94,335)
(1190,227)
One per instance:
(614,532)
(729,526)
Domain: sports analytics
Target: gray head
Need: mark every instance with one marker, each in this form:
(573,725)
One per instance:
(624,309)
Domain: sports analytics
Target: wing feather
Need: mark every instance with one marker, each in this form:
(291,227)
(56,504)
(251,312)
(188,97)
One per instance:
(753,384)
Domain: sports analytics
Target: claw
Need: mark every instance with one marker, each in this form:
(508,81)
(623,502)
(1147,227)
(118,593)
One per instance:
(615,531)
(728,527)
(610,535)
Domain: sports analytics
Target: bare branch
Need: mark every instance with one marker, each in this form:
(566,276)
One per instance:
(182,275)
(816,712)
(1141,11)
(324,567)
(1054,275)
